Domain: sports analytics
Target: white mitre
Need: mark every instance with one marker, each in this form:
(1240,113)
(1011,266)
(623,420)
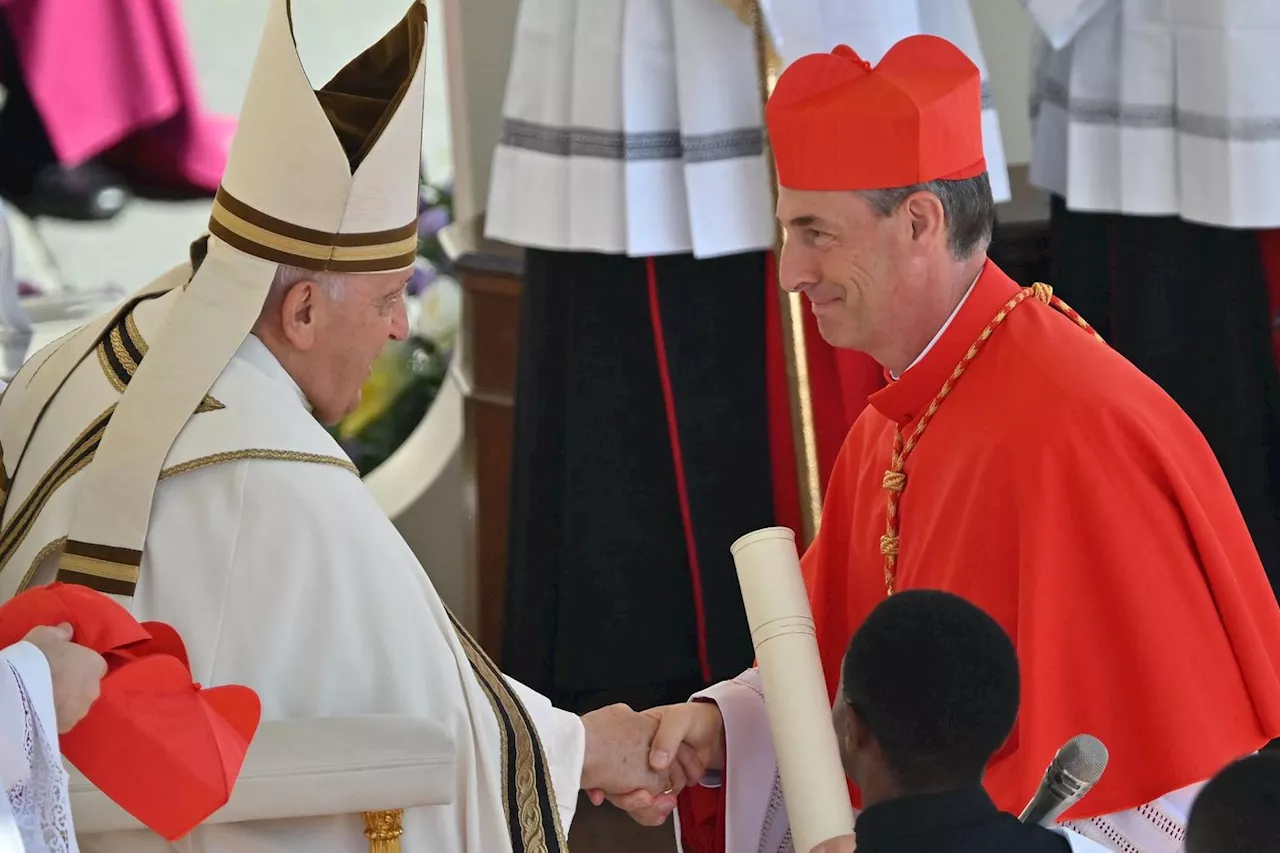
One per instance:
(325,180)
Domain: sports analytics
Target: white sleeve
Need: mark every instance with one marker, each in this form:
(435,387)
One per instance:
(35,814)
(1060,20)
(1157,827)
(755,814)
(564,742)
(1080,844)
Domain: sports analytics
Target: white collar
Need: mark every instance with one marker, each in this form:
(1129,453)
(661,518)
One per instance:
(937,337)
(254,351)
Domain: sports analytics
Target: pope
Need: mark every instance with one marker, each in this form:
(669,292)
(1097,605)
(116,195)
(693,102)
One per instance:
(171,453)
(1013,458)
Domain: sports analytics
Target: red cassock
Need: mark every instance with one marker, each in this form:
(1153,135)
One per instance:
(1064,493)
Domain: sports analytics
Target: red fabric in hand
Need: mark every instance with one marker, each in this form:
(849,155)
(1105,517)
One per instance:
(164,749)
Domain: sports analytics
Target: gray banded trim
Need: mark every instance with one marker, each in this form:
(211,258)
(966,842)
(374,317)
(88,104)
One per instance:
(1099,111)
(654,145)
(616,145)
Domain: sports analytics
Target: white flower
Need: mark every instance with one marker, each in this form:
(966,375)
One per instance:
(440,311)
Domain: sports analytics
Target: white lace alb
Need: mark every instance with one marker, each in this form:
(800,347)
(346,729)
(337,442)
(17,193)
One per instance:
(39,802)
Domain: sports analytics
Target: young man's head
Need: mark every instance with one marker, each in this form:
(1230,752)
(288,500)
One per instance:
(1238,811)
(928,693)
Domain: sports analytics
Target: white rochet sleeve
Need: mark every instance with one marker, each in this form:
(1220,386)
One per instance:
(795,692)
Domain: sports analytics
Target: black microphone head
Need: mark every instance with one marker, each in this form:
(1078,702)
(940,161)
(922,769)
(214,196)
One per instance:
(1084,757)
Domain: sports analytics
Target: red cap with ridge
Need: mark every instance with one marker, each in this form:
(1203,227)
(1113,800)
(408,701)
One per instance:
(166,750)
(837,123)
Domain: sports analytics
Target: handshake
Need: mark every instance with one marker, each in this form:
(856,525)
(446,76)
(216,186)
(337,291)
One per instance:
(640,760)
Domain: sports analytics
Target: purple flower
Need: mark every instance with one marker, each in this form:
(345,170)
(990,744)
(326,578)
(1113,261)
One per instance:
(431,221)
(423,275)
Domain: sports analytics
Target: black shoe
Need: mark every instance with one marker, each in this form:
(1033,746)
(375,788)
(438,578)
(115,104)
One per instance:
(88,193)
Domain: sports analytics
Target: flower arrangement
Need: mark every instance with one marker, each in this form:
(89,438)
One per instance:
(408,374)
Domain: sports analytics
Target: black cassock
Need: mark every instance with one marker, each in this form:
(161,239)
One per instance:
(620,582)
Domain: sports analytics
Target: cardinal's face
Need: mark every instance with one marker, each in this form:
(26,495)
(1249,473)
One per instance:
(861,270)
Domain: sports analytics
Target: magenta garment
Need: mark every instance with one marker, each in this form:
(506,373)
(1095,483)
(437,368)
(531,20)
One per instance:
(117,74)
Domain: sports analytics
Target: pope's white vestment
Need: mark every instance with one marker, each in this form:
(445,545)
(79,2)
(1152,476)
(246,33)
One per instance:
(270,557)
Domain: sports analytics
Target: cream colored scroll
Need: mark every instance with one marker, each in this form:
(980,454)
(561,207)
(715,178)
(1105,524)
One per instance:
(795,692)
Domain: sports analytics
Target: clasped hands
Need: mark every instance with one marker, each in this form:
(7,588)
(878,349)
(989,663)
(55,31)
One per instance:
(640,760)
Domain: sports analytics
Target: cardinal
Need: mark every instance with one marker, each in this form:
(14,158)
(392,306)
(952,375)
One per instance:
(1013,458)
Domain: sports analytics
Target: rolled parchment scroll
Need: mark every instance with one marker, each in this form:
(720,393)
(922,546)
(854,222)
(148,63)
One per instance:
(795,692)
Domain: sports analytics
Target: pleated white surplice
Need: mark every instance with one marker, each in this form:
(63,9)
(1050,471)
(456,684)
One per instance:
(636,126)
(1160,108)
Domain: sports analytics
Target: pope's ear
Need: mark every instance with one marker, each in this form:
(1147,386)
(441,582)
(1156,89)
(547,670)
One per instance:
(298,308)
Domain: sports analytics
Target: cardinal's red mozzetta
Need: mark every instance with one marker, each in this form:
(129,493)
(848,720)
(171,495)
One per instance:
(1055,486)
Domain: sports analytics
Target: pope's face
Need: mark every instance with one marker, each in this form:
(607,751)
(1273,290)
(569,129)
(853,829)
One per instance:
(351,332)
(856,267)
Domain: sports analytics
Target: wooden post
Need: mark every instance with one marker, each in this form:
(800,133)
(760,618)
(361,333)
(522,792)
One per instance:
(804,434)
(491,275)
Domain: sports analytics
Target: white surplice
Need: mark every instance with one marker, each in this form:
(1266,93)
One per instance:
(636,126)
(275,564)
(35,815)
(756,811)
(1164,108)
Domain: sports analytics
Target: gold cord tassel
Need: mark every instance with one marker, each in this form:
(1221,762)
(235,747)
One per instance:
(383,829)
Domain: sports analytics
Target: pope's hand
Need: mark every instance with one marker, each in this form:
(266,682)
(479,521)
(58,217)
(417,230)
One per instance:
(688,742)
(617,752)
(75,670)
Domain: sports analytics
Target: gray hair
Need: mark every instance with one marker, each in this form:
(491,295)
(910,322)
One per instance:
(967,204)
(287,276)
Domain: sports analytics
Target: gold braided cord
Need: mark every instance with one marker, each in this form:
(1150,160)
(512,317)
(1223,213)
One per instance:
(790,307)
(895,479)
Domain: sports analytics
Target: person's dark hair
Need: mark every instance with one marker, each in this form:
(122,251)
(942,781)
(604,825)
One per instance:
(1238,810)
(935,681)
(968,205)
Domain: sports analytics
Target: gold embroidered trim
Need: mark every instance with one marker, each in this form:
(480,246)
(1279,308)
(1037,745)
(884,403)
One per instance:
(44,554)
(533,820)
(72,460)
(81,453)
(98,568)
(121,351)
(249,229)
(280,455)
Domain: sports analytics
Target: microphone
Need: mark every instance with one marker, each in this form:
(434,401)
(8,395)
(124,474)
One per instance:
(1074,770)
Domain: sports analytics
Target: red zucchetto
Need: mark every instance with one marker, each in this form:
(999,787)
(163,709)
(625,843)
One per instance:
(836,123)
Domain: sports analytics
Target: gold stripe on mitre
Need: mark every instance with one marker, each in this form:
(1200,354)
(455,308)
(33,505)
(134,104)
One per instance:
(264,236)
(101,567)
